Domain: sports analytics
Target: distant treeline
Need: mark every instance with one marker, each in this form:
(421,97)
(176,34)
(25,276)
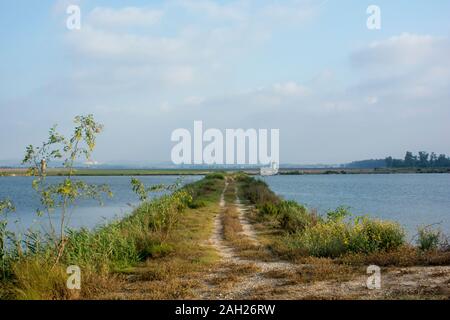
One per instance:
(421,160)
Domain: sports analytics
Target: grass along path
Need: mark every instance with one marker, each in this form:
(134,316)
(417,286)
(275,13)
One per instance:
(248,269)
(176,274)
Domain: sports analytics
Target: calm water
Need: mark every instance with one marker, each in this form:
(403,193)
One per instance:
(87,213)
(411,199)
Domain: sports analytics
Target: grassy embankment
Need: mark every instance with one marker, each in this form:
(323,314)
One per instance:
(160,242)
(293,232)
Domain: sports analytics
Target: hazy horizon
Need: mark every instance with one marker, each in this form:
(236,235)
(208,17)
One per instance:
(337,91)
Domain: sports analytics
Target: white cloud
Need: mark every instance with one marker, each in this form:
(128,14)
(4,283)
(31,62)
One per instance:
(194,100)
(237,10)
(128,50)
(165,107)
(100,44)
(291,89)
(372,100)
(403,51)
(253,11)
(133,67)
(179,75)
(60,6)
(291,12)
(406,67)
(233,25)
(124,17)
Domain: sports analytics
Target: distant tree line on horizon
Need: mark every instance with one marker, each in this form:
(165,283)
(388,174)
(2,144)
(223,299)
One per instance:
(422,160)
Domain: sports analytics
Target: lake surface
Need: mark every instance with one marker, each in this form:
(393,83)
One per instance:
(88,213)
(411,199)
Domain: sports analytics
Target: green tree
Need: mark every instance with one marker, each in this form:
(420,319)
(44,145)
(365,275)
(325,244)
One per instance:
(60,197)
(433,159)
(442,161)
(389,162)
(423,159)
(409,160)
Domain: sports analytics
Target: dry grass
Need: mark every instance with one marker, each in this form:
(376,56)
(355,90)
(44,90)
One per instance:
(315,270)
(224,280)
(406,256)
(36,279)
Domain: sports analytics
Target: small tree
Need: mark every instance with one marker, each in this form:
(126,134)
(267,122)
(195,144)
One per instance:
(62,195)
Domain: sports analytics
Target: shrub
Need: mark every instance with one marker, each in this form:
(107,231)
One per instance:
(338,214)
(294,217)
(322,240)
(203,186)
(215,175)
(291,216)
(428,239)
(269,209)
(334,238)
(257,191)
(196,204)
(157,250)
(368,235)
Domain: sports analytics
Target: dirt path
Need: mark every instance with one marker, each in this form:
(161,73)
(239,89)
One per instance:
(239,278)
(226,282)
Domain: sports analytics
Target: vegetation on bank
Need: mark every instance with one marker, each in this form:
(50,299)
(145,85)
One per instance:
(33,264)
(152,232)
(338,234)
(32,268)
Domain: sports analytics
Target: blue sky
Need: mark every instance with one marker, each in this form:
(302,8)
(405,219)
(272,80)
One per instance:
(336,90)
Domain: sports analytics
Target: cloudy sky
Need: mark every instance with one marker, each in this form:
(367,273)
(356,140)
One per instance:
(336,90)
